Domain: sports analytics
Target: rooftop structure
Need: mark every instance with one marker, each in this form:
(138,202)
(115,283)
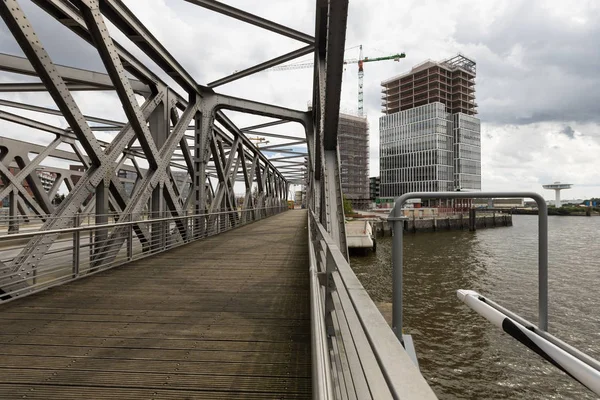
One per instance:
(451,82)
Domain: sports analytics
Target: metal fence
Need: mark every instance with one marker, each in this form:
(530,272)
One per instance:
(80,251)
(354,351)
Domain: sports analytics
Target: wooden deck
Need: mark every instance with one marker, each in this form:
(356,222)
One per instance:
(226,317)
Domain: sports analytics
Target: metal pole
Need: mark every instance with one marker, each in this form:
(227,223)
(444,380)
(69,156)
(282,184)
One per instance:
(397,268)
(543,264)
(130,242)
(542,248)
(76,245)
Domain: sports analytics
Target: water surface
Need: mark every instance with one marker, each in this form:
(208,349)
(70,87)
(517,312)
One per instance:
(461,354)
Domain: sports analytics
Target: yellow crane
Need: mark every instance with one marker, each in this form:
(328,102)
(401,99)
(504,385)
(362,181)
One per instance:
(258,140)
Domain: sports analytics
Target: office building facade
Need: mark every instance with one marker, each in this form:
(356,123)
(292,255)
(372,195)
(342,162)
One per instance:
(430,137)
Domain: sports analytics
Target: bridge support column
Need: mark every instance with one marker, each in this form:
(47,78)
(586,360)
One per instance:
(159,128)
(101,218)
(203,124)
(13,215)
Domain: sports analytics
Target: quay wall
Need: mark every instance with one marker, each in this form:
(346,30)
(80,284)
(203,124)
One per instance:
(435,224)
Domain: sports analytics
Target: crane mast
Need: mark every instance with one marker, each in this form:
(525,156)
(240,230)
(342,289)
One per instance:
(361,74)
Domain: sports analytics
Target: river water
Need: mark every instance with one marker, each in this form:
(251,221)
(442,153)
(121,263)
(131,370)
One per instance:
(461,354)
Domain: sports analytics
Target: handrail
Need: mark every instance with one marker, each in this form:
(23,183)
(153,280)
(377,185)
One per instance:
(106,246)
(23,235)
(321,366)
(372,362)
(397,247)
(575,363)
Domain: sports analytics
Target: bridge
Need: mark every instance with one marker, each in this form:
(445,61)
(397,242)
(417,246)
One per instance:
(152,279)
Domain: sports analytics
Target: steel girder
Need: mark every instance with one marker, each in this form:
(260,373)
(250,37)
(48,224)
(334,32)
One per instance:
(324,186)
(155,135)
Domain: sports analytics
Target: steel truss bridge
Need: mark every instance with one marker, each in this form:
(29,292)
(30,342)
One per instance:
(216,296)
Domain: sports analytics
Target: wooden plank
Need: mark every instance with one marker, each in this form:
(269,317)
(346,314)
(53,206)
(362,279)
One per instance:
(225,317)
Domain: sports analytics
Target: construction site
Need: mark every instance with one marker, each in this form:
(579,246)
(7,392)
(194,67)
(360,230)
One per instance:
(353,141)
(353,135)
(451,82)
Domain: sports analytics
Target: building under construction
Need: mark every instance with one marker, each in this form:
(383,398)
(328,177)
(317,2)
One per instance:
(430,137)
(353,143)
(451,82)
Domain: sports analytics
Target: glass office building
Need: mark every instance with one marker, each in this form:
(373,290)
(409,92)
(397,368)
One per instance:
(430,138)
(467,152)
(416,151)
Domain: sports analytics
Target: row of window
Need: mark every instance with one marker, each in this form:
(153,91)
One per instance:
(417,174)
(432,126)
(417,114)
(467,167)
(466,181)
(430,142)
(466,136)
(467,152)
(398,189)
(431,157)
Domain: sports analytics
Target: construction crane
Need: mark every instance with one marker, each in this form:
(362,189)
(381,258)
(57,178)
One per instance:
(258,140)
(360,61)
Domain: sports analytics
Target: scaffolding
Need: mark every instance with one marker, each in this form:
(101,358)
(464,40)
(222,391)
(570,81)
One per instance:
(353,142)
(451,82)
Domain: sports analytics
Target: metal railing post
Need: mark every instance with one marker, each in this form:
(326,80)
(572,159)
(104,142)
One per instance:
(130,242)
(397,271)
(542,263)
(397,250)
(76,245)
(163,235)
(91,234)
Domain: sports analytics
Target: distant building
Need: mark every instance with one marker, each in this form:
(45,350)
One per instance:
(429,136)
(179,178)
(128,179)
(499,203)
(78,168)
(298,197)
(353,143)
(374,183)
(47,179)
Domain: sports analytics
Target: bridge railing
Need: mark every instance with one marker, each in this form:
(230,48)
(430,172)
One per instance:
(83,250)
(355,353)
(575,363)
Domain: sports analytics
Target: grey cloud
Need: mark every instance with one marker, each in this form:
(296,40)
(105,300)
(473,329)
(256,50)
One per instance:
(568,132)
(63,46)
(557,79)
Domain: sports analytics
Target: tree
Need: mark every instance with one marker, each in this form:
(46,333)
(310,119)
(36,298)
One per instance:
(58,198)
(347,206)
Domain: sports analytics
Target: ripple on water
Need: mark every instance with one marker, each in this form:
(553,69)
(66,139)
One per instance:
(460,353)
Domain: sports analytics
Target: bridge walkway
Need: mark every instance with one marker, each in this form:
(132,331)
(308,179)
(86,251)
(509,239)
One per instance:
(225,317)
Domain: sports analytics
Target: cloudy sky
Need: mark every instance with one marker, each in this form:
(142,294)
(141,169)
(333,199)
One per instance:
(538,63)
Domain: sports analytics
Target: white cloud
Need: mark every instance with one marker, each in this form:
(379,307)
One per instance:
(537,69)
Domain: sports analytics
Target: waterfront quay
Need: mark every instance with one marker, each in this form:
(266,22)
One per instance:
(431,220)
